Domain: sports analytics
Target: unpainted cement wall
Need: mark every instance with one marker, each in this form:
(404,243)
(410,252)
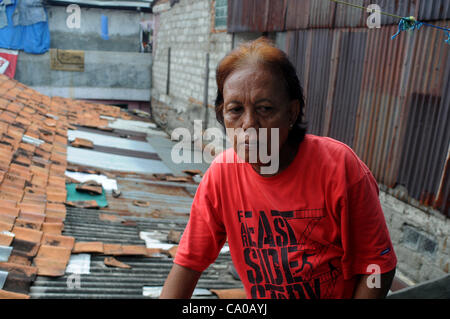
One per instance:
(420,239)
(113,70)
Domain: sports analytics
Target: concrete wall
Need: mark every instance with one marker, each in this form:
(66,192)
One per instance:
(421,239)
(114,69)
(123,29)
(107,75)
(186,29)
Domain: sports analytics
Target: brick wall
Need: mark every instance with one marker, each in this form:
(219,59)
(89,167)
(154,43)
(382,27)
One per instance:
(187,29)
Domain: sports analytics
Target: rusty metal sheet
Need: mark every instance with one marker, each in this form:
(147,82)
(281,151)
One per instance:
(345,101)
(322,41)
(164,198)
(297,14)
(261,15)
(282,15)
(433,10)
(277,15)
(388,100)
(374,94)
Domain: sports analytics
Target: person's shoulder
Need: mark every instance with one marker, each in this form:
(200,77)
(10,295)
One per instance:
(222,162)
(337,153)
(228,156)
(325,143)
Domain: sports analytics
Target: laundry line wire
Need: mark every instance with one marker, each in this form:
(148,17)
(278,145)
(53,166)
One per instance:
(405,23)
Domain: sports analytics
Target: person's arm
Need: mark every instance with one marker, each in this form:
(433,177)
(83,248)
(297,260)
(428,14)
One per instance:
(180,283)
(363,291)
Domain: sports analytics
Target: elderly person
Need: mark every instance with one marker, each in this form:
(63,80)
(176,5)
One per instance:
(312,229)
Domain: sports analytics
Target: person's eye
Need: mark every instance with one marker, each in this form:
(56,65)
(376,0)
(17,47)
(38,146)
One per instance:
(265,109)
(235,109)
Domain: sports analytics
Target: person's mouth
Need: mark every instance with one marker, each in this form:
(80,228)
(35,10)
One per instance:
(249,144)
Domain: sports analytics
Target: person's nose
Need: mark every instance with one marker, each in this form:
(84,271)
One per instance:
(250,120)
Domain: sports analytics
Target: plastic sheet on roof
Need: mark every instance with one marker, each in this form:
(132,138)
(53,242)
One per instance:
(136,126)
(105,140)
(115,162)
(73,196)
(107,183)
(79,264)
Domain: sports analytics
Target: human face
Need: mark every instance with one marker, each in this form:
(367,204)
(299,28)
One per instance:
(255,97)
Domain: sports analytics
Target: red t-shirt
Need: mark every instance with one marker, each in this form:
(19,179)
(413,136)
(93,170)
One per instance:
(303,233)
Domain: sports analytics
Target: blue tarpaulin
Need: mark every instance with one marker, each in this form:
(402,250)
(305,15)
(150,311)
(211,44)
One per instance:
(34,38)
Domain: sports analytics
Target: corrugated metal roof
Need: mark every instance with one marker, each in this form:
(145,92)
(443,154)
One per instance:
(122,223)
(108,282)
(387,99)
(277,15)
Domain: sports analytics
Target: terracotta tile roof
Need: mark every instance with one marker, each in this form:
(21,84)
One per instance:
(45,231)
(33,161)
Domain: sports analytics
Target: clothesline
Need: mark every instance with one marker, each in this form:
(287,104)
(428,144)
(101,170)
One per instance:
(405,23)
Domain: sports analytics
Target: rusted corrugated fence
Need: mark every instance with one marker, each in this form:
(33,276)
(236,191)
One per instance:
(282,15)
(387,99)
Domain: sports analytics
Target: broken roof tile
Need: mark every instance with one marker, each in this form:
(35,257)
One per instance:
(174,236)
(171,251)
(134,250)
(84,204)
(113,262)
(112,249)
(91,187)
(82,142)
(110,217)
(88,247)
(153,252)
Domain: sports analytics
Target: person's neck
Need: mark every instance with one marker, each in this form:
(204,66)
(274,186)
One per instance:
(288,153)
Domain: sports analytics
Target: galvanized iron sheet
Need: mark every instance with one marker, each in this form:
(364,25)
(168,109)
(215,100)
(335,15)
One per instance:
(387,99)
(282,15)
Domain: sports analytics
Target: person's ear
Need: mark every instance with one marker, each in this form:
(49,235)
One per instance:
(294,112)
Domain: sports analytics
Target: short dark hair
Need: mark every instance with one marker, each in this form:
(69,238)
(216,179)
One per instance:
(262,51)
